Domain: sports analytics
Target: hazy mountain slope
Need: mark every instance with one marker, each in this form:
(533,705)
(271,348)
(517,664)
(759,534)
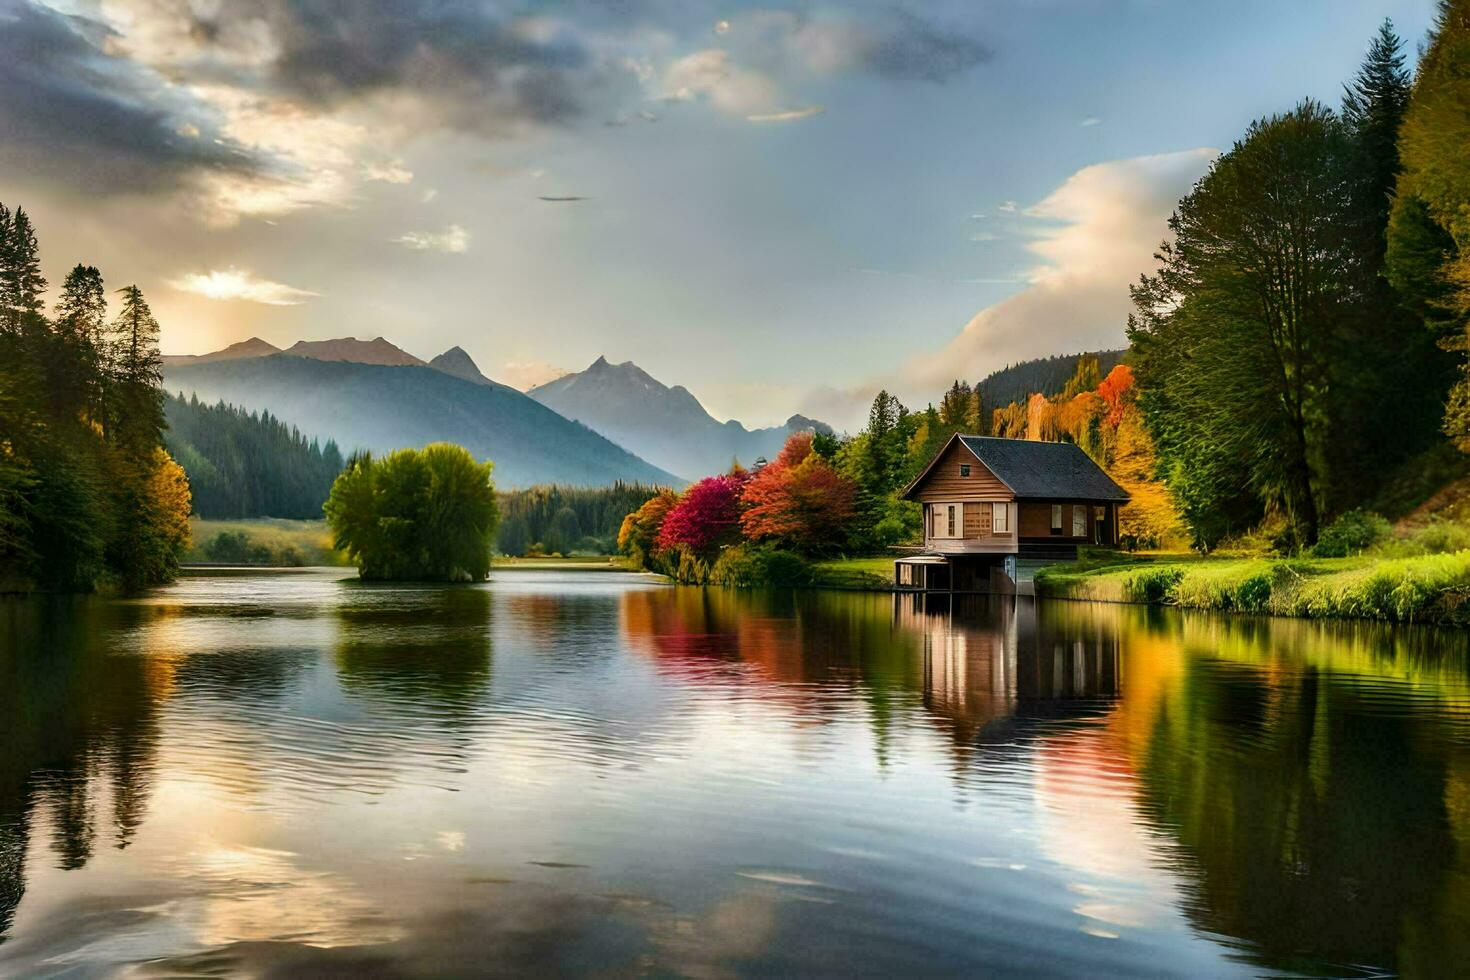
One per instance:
(667,426)
(254,347)
(1047,375)
(382,407)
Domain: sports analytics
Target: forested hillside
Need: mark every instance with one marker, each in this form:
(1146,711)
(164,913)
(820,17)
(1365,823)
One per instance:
(248,464)
(1046,376)
(1302,336)
(385,407)
(88,495)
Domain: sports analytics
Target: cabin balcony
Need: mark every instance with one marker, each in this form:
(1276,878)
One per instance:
(992,544)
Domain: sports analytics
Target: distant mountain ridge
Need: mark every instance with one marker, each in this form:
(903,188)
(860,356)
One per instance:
(665,425)
(384,406)
(375,351)
(254,347)
(458,363)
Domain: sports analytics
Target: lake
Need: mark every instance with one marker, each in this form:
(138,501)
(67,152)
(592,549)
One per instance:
(571,773)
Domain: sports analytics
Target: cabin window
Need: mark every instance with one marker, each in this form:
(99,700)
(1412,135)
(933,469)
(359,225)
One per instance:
(964,469)
(1000,518)
(1056,518)
(1079,521)
(948,520)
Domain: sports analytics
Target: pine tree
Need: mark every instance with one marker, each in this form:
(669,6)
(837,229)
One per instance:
(1382,408)
(138,372)
(82,309)
(21,282)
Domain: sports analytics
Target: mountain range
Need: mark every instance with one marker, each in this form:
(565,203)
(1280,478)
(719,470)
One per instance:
(389,399)
(666,426)
(609,422)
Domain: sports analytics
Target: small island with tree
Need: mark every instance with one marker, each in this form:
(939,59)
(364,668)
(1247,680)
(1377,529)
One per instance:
(415,514)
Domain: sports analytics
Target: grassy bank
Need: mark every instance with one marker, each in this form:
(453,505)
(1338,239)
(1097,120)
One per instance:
(873,574)
(1422,588)
(266,541)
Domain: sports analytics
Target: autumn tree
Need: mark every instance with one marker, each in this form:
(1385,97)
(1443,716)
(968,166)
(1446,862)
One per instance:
(706,517)
(799,501)
(1117,392)
(638,536)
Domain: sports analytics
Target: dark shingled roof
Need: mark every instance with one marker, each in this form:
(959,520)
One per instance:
(1044,469)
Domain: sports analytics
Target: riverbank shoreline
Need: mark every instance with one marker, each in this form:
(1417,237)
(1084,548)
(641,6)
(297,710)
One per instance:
(1433,589)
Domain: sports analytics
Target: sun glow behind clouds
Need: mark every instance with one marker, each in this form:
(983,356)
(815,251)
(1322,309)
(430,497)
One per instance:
(238,284)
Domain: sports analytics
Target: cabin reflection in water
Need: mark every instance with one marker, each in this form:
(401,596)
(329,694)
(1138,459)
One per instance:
(990,659)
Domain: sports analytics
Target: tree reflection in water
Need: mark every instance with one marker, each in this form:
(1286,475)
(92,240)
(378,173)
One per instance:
(1295,793)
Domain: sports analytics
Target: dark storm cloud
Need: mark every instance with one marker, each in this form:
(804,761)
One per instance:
(478,68)
(71,112)
(910,47)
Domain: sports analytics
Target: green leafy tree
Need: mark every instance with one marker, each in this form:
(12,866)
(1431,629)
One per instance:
(1235,333)
(415,514)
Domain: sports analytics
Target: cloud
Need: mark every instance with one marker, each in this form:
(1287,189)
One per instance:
(73,113)
(1090,121)
(388,173)
(896,44)
(788,115)
(452,239)
(1100,230)
(525,375)
(712,75)
(237,284)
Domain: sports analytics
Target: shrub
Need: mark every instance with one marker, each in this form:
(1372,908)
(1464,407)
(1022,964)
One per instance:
(1434,537)
(1352,533)
(1152,584)
(748,566)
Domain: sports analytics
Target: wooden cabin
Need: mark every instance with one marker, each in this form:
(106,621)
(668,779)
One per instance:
(993,506)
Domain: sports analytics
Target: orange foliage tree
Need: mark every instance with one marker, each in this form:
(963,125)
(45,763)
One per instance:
(1118,391)
(639,533)
(799,501)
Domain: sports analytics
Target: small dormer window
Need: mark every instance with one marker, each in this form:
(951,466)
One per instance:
(964,469)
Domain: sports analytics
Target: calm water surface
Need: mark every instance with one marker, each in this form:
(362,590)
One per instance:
(594,773)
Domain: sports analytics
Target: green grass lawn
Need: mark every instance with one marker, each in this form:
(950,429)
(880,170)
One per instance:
(874,573)
(310,541)
(1423,588)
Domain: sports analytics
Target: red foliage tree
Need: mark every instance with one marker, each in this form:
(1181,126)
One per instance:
(1117,389)
(706,516)
(799,501)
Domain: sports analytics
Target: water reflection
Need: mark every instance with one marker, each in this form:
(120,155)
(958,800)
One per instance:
(590,773)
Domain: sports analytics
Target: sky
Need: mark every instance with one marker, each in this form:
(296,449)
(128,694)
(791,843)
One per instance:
(781,206)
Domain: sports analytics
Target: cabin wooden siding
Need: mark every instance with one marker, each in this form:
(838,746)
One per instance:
(944,485)
(1035,521)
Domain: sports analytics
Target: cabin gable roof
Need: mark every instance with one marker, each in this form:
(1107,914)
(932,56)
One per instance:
(1046,470)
